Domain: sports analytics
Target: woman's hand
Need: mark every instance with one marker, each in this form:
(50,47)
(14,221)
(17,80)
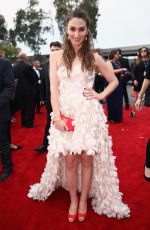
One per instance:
(123,69)
(61,125)
(138,104)
(92,94)
(135,82)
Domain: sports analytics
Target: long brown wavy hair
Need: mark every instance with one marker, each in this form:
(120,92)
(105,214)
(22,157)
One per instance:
(85,52)
(139,57)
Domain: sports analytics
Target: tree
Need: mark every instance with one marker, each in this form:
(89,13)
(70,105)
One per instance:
(29,26)
(91,7)
(11,52)
(6,44)
(12,37)
(3,28)
(63,7)
(6,36)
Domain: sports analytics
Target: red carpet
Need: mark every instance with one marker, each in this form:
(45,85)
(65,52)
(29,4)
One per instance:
(17,212)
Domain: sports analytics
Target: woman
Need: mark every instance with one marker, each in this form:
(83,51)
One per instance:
(115,100)
(145,85)
(86,151)
(141,65)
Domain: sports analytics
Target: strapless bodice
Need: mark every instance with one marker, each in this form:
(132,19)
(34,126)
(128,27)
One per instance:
(71,87)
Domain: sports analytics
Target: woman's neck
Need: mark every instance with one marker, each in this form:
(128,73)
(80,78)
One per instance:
(76,50)
(144,58)
(115,60)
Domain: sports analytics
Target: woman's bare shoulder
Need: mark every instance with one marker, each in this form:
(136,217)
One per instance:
(98,59)
(109,63)
(56,54)
(57,57)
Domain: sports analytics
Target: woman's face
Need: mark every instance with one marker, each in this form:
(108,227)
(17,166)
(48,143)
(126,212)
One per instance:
(116,56)
(77,31)
(144,53)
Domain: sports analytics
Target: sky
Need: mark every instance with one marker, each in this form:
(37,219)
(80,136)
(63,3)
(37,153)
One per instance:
(122,22)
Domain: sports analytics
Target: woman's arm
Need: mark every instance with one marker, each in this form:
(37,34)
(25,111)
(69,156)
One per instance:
(121,70)
(107,71)
(145,85)
(54,89)
(116,71)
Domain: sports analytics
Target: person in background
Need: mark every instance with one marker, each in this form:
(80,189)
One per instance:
(99,82)
(12,112)
(79,152)
(38,85)
(145,85)
(7,87)
(140,68)
(125,64)
(26,83)
(46,88)
(115,99)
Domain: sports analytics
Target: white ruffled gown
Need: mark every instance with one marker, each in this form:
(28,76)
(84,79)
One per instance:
(91,135)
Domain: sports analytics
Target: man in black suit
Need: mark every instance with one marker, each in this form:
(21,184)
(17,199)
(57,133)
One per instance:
(125,64)
(46,87)
(38,84)
(26,91)
(7,87)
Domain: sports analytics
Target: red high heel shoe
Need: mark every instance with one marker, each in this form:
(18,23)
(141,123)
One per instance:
(72,217)
(82,216)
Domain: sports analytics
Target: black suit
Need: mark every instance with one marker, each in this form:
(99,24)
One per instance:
(38,85)
(46,92)
(26,91)
(7,86)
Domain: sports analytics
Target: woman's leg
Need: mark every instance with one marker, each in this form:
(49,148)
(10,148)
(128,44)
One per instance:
(86,164)
(135,97)
(71,162)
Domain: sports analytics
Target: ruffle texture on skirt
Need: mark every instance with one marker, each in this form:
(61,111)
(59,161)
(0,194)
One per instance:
(90,135)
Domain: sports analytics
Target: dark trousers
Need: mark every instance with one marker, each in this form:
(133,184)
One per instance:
(9,131)
(37,101)
(125,93)
(48,122)
(148,154)
(27,108)
(5,148)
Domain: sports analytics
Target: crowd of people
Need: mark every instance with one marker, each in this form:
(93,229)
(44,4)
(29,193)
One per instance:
(73,84)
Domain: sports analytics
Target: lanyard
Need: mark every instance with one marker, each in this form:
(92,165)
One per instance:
(146,63)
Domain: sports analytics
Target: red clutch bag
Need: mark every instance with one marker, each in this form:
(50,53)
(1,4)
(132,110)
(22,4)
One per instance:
(69,122)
